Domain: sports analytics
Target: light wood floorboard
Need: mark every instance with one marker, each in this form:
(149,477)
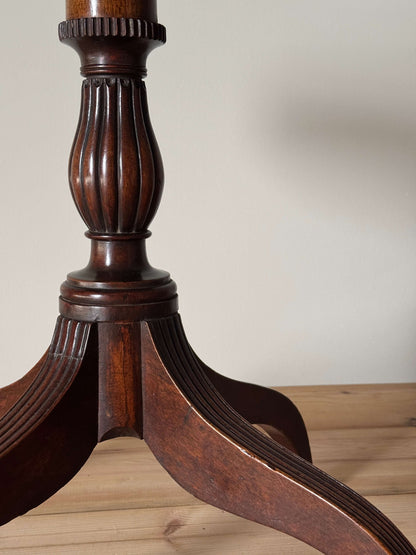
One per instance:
(122,502)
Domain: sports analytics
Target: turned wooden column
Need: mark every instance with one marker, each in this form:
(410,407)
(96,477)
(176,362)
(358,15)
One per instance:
(115,170)
(120,363)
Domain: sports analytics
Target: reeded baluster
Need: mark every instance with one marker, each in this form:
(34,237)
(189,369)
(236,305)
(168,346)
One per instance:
(116,171)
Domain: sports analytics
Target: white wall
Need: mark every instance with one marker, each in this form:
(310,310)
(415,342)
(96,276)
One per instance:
(288,129)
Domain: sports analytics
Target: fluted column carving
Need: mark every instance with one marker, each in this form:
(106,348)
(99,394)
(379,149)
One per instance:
(115,171)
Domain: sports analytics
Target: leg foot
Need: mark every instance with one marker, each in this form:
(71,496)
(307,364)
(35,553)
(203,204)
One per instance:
(223,460)
(49,430)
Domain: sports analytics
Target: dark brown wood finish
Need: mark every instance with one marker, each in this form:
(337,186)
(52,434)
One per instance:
(269,409)
(51,429)
(140,9)
(12,393)
(120,392)
(223,460)
(116,173)
(119,363)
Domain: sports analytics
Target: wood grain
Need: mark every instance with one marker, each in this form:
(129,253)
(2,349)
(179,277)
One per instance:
(369,405)
(140,9)
(117,369)
(224,461)
(50,431)
(116,170)
(123,502)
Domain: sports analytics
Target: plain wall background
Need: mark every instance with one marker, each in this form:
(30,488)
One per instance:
(288,130)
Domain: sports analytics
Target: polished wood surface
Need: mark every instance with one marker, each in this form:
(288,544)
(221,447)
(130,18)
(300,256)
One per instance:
(123,502)
(120,364)
(140,9)
(268,409)
(116,170)
(50,430)
(224,461)
(116,174)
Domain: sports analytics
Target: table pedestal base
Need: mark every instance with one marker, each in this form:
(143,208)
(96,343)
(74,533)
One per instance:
(100,381)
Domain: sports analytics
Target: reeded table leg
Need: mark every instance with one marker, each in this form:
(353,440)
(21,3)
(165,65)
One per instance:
(221,459)
(119,363)
(48,427)
(270,410)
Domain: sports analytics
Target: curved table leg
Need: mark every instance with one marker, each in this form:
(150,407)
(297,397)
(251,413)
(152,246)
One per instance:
(48,430)
(10,394)
(223,460)
(273,411)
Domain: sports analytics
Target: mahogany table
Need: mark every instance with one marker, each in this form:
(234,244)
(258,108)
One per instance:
(119,363)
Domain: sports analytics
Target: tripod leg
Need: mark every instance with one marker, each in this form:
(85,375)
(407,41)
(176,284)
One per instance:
(10,394)
(223,460)
(271,410)
(49,429)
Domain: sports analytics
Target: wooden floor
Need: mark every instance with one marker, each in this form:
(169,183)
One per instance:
(122,502)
